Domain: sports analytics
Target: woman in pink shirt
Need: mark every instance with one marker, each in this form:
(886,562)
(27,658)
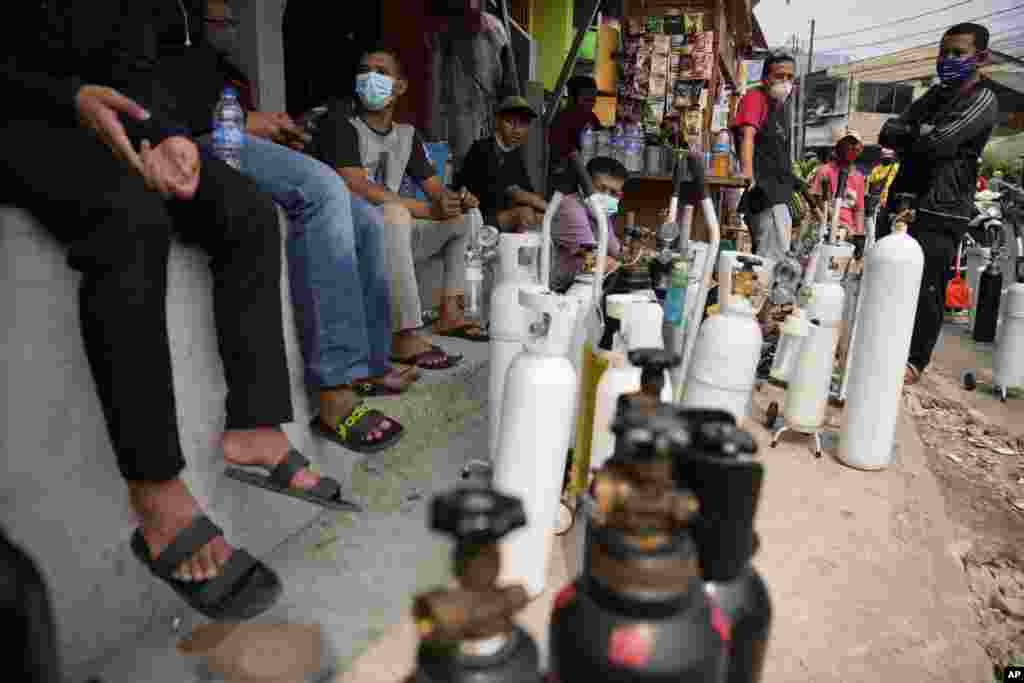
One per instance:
(851,207)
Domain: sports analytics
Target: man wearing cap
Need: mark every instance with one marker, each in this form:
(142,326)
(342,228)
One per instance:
(495,172)
(826,181)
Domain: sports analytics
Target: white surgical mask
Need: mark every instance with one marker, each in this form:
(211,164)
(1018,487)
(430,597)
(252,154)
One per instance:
(609,203)
(781,90)
(374,90)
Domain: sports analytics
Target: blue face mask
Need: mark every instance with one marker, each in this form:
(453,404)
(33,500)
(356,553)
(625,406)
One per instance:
(374,90)
(953,71)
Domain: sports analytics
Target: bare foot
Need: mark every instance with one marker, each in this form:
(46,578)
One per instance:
(165,510)
(337,404)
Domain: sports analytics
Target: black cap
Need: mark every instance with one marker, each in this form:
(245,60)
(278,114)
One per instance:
(476,515)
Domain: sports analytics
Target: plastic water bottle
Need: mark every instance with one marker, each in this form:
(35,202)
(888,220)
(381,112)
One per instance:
(675,298)
(587,144)
(229,129)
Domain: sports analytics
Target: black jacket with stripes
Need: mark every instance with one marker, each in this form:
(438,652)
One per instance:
(939,158)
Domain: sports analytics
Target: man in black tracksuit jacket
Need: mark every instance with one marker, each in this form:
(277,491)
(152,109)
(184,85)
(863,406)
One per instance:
(116,201)
(939,139)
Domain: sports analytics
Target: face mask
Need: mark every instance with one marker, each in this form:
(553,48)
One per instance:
(781,90)
(609,203)
(374,90)
(954,71)
(886,162)
(850,155)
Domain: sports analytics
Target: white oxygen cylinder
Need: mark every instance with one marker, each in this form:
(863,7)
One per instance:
(977,258)
(807,393)
(510,322)
(641,323)
(534,441)
(724,367)
(794,331)
(1008,363)
(892,283)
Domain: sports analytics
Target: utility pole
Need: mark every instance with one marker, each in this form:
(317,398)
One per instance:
(803,89)
(797,110)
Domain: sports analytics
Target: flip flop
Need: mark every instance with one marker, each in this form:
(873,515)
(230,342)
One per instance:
(326,493)
(244,588)
(352,431)
(437,355)
(391,384)
(463,332)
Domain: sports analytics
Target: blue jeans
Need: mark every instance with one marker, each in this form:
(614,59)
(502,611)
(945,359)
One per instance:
(336,266)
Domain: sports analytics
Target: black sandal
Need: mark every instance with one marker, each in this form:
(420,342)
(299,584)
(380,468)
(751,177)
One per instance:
(244,588)
(326,493)
(351,432)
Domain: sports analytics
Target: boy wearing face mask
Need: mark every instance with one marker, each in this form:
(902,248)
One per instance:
(572,228)
(373,154)
(826,180)
(495,171)
(762,138)
(939,139)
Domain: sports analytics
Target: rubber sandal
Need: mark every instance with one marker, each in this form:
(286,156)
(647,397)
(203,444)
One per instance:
(463,332)
(244,588)
(444,360)
(326,493)
(391,384)
(352,431)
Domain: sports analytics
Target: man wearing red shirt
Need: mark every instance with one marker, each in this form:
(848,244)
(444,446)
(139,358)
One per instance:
(762,139)
(826,180)
(567,128)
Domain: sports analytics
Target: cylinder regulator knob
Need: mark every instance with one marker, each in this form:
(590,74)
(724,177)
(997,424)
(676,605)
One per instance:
(654,359)
(725,440)
(476,515)
(643,436)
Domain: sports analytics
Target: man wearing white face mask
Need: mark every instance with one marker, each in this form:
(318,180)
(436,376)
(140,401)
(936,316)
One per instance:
(373,154)
(762,138)
(572,228)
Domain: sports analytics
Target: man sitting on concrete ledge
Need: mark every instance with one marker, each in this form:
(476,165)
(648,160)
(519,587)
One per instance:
(117,209)
(373,153)
(336,266)
(494,170)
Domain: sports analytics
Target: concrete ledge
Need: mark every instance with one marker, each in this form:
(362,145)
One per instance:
(61,496)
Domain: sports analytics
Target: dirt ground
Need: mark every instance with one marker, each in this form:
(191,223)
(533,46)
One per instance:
(975,448)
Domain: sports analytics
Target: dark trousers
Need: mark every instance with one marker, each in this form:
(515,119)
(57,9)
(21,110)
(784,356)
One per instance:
(939,248)
(118,235)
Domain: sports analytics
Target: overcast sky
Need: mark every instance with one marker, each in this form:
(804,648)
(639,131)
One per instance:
(878,27)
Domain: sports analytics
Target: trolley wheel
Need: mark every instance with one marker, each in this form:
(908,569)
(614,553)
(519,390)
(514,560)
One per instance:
(1002,394)
(817,454)
(970,382)
(772,416)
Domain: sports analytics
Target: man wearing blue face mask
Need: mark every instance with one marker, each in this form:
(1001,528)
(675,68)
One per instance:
(373,154)
(939,139)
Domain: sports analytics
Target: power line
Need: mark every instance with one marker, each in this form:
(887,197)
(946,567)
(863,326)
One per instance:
(920,33)
(897,21)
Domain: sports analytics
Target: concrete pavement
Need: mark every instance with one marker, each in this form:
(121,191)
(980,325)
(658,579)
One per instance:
(859,564)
